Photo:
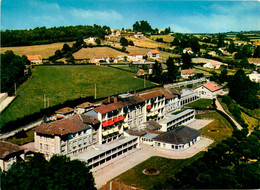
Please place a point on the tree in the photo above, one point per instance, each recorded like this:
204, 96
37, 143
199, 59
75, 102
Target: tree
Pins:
186, 60
142, 26
257, 52
173, 70
131, 43
195, 46
123, 41
167, 30
98, 41
58, 173
66, 48
220, 41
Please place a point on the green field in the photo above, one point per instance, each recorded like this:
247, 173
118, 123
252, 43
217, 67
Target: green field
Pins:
167, 168
61, 83
201, 103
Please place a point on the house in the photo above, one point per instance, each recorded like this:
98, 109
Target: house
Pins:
35, 59
67, 136
187, 50
213, 64
179, 138
255, 77
186, 73
64, 112
138, 35
102, 58
209, 90
9, 153
171, 100
135, 56
82, 108
91, 40
212, 53
255, 61
154, 54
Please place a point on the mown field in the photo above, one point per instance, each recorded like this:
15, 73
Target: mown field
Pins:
44, 50
88, 53
167, 168
147, 43
61, 83
166, 38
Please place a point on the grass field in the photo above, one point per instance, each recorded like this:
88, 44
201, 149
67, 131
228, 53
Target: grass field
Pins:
61, 83
21, 141
167, 168
147, 43
88, 53
44, 50
223, 127
201, 103
166, 38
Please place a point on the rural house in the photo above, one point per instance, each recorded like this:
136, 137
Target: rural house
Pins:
154, 54
135, 56
186, 73
213, 64
209, 90
35, 59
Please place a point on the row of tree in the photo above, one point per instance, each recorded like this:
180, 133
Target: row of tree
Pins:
38, 173
13, 71
232, 164
144, 27
43, 35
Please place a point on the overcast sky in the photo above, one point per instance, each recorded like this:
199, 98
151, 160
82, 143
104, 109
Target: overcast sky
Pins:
182, 16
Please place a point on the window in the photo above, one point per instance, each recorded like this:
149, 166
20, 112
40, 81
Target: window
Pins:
172, 146
40, 146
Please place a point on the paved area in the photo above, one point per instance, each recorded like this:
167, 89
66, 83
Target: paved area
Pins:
198, 123
111, 169
6, 102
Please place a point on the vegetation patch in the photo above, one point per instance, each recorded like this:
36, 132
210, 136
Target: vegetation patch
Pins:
22, 137
151, 171
61, 83
201, 103
167, 168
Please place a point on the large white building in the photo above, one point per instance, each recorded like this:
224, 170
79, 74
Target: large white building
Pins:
209, 90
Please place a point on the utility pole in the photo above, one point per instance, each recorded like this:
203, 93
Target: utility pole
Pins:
95, 91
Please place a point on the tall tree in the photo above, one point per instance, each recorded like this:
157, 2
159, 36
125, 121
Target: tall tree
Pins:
186, 60
123, 41
58, 173
257, 52
173, 70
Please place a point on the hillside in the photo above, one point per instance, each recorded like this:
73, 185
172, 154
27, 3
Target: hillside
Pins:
61, 83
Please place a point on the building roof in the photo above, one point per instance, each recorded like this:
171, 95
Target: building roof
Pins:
168, 95
152, 125
85, 105
135, 53
34, 57
215, 63
212, 86
65, 110
188, 71
180, 135
173, 91
110, 107
67, 126
150, 95
140, 132
132, 100
7, 148
155, 51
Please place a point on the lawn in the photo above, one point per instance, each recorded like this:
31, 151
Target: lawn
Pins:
201, 103
222, 127
29, 137
44, 50
88, 53
167, 168
61, 83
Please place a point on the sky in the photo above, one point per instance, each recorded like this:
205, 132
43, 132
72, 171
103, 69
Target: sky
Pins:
182, 16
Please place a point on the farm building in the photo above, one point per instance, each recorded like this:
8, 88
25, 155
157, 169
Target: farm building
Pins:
186, 73
154, 54
213, 64
35, 59
135, 56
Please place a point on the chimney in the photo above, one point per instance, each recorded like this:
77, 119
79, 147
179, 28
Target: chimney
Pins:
115, 99
108, 99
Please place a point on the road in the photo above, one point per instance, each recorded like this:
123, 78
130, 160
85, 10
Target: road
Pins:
219, 107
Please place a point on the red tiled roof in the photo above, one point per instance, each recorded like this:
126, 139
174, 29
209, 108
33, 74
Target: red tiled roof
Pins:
64, 110
212, 86
7, 148
66, 126
168, 95
85, 105
110, 107
150, 95
135, 53
154, 51
214, 63
188, 71
34, 57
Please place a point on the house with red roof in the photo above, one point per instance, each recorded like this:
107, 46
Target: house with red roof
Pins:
154, 54
209, 90
135, 56
35, 59
9, 154
66, 136
213, 64
186, 73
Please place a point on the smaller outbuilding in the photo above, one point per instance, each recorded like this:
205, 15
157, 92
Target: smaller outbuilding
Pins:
209, 90
35, 59
154, 54
180, 138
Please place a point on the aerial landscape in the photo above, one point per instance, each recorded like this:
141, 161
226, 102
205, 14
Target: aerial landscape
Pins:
131, 94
